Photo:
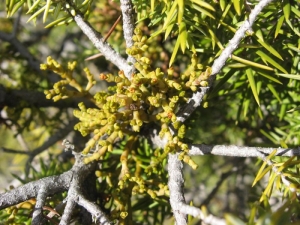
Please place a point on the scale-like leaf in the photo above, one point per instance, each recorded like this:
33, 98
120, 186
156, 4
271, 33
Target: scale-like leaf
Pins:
182, 36
237, 6
278, 25
269, 77
286, 9
47, 8
175, 50
222, 4
32, 8
252, 84
180, 11
250, 63
17, 6
269, 48
274, 92
270, 60
57, 10
204, 4
203, 11
57, 22
36, 13
171, 14
290, 76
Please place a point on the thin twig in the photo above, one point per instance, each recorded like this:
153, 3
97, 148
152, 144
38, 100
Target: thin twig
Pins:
112, 28
98, 41
128, 25
59, 135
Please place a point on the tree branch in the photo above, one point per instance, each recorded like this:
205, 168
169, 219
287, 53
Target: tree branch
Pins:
93, 209
128, 25
177, 201
175, 185
13, 98
235, 41
196, 212
71, 180
75, 196
239, 151
98, 41
37, 216
30, 190
193, 103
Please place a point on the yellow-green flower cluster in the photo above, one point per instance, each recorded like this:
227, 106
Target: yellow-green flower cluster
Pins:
151, 95
61, 89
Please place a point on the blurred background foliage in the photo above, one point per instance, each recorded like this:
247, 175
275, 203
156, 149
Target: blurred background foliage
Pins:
254, 101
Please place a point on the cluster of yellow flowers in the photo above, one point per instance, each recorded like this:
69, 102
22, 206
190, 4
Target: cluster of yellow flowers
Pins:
149, 96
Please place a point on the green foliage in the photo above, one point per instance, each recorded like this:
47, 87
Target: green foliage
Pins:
284, 175
150, 97
57, 9
255, 94
205, 28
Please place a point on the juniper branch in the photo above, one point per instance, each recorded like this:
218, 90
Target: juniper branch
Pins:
75, 196
71, 180
219, 63
30, 190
